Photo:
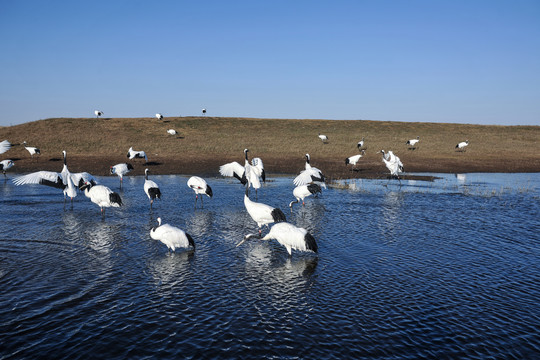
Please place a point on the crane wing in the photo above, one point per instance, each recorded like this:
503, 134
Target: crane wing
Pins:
233, 169
48, 178
4, 146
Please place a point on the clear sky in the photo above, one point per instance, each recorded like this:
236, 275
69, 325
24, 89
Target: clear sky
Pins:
470, 61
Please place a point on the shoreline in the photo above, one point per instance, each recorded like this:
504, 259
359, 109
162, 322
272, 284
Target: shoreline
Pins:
333, 170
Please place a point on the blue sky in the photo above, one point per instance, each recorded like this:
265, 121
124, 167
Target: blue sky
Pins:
430, 61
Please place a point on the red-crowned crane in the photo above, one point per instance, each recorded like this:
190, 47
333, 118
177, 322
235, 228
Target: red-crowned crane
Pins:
288, 235
102, 196
121, 170
151, 188
309, 175
6, 164
31, 149
303, 191
248, 174
393, 163
65, 180
98, 113
462, 145
412, 143
199, 186
133, 154
159, 116
261, 213
353, 160
360, 144
323, 138
171, 236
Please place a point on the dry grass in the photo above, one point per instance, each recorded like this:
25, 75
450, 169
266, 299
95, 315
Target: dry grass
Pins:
205, 142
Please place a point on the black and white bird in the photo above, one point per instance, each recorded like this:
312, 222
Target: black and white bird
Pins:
204, 111
172, 132
248, 174
353, 160
393, 163
6, 164
151, 188
31, 149
303, 191
121, 170
102, 196
323, 138
360, 144
199, 186
65, 180
261, 213
98, 113
171, 236
4, 146
412, 143
288, 235
462, 145
159, 116
310, 175
133, 154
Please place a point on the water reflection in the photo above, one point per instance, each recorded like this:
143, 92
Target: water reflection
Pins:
461, 178
391, 215
199, 223
172, 268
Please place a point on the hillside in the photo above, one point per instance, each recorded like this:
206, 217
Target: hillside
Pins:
205, 143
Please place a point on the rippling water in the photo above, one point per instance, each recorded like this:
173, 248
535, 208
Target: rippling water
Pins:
448, 269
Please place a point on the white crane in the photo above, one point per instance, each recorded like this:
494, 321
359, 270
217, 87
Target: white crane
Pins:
4, 146
121, 170
303, 191
6, 164
199, 186
353, 160
462, 145
98, 113
323, 138
151, 188
133, 154
288, 235
393, 163
65, 180
172, 132
309, 175
31, 149
261, 213
159, 116
102, 196
412, 143
247, 174
171, 236
360, 144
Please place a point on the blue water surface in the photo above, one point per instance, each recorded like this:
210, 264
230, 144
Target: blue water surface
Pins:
444, 269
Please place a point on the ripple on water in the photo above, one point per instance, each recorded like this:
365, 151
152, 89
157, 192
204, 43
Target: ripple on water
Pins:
446, 270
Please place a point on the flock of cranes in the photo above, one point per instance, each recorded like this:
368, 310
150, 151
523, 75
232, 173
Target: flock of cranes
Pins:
309, 181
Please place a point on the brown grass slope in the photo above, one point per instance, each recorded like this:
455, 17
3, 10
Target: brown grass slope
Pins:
205, 143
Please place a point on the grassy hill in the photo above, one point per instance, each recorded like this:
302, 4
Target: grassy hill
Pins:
204, 143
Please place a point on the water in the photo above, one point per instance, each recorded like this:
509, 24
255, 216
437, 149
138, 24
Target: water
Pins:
444, 269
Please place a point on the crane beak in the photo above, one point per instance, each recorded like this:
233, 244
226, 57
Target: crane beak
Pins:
241, 242
248, 236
